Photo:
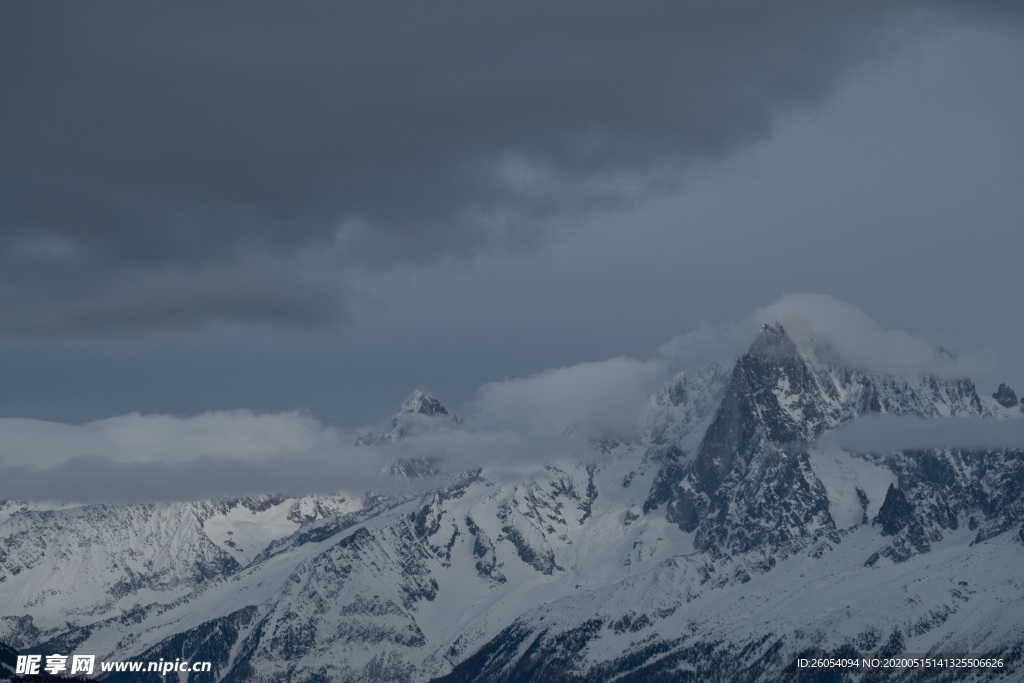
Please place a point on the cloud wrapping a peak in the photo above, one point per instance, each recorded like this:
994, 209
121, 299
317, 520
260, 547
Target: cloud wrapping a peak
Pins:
829, 331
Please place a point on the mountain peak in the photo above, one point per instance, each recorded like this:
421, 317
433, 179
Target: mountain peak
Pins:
421, 404
420, 413
773, 343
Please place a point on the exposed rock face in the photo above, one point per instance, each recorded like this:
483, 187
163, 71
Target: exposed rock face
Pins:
751, 485
1005, 396
897, 517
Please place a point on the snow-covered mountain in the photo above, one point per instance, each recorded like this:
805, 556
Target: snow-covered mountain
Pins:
720, 540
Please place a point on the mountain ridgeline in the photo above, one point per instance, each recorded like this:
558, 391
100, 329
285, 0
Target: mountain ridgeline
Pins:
718, 542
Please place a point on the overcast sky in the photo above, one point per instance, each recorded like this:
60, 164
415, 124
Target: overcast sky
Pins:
280, 207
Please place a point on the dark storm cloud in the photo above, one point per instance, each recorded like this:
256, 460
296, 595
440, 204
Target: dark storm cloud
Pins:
164, 166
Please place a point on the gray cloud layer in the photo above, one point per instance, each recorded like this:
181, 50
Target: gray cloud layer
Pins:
883, 433
217, 455
164, 166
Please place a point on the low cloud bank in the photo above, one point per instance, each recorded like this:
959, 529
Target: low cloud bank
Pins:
882, 433
140, 459
514, 427
231, 434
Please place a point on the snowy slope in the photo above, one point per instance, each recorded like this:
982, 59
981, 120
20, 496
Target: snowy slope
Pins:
719, 541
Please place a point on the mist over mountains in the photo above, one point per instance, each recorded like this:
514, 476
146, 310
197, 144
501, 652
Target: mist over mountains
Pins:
517, 423
782, 501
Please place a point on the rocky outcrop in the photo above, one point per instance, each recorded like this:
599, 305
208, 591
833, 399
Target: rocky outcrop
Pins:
1005, 397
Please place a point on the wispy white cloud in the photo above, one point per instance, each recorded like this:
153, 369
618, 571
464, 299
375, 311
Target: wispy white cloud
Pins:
830, 330
600, 399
